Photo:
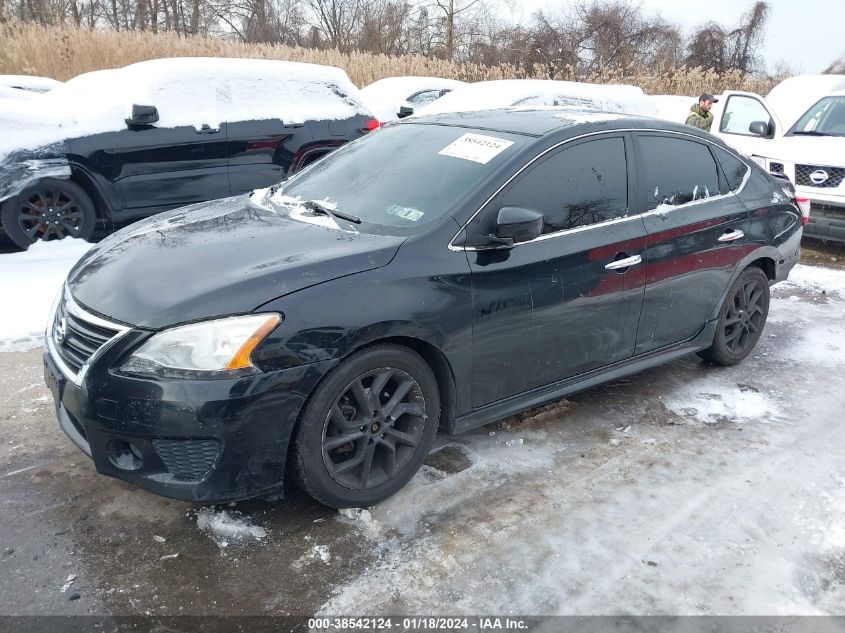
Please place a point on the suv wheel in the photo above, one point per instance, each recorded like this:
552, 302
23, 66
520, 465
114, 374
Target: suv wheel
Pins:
741, 319
367, 428
51, 209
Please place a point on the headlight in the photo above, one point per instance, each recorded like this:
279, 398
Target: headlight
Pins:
211, 349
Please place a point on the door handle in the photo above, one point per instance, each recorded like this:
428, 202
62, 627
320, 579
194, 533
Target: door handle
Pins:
207, 129
731, 235
627, 262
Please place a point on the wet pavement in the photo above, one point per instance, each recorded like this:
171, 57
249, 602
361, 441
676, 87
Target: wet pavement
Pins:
683, 489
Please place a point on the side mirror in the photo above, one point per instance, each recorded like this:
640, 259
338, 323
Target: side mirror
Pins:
516, 224
142, 116
760, 128
404, 111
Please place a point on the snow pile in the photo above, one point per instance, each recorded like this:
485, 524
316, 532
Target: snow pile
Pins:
672, 107
29, 282
385, 96
487, 95
224, 527
186, 91
827, 280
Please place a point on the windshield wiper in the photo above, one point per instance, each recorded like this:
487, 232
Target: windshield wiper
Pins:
315, 206
813, 133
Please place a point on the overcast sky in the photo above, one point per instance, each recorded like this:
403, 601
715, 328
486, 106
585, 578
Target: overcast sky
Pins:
807, 34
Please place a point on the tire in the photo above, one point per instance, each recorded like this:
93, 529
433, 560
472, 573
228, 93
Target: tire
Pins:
384, 447
50, 209
741, 319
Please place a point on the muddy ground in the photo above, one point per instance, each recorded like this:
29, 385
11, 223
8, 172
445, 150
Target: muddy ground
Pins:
686, 489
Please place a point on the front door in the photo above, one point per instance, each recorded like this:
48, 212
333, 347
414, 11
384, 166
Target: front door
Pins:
562, 304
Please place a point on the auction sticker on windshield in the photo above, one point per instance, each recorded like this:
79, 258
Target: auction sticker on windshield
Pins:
406, 213
476, 147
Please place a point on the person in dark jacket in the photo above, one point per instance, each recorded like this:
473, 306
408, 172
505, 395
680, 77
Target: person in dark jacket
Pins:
700, 115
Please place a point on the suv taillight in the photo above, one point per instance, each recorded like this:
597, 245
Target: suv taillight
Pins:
803, 205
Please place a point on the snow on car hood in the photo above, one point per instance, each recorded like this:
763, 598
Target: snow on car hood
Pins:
214, 259
809, 150
488, 95
186, 91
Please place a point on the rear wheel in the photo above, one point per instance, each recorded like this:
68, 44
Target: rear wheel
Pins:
51, 209
741, 319
368, 427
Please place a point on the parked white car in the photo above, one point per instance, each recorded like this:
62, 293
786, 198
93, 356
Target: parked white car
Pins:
505, 93
393, 98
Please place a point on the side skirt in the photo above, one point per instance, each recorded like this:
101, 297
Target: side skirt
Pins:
556, 391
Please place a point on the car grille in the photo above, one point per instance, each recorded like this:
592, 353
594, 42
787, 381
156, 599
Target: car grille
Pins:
834, 176
187, 460
776, 168
76, 335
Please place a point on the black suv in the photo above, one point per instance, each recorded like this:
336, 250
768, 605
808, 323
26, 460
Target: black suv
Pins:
334, 323
109, 147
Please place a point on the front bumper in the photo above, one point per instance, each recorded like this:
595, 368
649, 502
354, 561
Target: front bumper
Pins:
195, 440
827, 220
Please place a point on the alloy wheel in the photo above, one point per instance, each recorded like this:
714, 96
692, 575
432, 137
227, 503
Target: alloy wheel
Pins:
745, 317
373, 428
49, 213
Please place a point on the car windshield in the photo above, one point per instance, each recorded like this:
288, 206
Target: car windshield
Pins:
827, 118
401, 178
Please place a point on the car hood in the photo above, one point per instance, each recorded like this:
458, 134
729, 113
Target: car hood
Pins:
810, 150
214, 259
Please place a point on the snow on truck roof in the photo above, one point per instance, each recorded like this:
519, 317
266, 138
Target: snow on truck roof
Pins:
186, 91
543, 92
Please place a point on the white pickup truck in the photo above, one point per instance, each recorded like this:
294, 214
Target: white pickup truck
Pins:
797, 130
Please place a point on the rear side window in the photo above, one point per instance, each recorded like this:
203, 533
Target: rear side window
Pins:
580, 185
677, 171
734, 168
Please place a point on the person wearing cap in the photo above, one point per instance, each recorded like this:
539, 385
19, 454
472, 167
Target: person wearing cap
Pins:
700, 115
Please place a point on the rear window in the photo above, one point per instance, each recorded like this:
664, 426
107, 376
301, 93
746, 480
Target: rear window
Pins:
734, 168
404, 177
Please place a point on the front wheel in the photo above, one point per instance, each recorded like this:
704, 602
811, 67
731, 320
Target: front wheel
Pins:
50, 209
367, 428
741, 319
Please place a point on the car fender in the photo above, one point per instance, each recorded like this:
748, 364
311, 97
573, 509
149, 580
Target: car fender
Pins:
17, 174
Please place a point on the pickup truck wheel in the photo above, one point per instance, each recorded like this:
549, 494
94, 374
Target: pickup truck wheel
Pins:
50, 209
741, 319
367, 428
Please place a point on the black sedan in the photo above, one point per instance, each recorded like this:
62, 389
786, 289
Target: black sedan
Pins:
437, 275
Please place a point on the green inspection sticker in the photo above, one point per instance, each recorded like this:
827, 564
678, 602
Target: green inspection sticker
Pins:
406, 213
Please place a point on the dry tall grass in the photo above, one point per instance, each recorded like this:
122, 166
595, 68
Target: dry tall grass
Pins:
65, 52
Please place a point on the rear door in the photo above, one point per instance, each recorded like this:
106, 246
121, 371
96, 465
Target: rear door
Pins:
697, 234
562, 304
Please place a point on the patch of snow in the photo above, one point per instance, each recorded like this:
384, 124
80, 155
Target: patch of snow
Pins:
712, 400
30, 281
224, 526
28, 83
70, 579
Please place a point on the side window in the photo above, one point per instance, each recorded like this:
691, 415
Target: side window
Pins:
580, 185
740, 112
734, 168
677, 171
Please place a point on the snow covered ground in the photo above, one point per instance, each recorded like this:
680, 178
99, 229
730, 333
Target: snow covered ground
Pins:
29, 281
686, 489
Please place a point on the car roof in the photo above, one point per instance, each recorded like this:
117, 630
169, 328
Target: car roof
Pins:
542, 121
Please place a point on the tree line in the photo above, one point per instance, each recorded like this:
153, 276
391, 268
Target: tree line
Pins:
583, 38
